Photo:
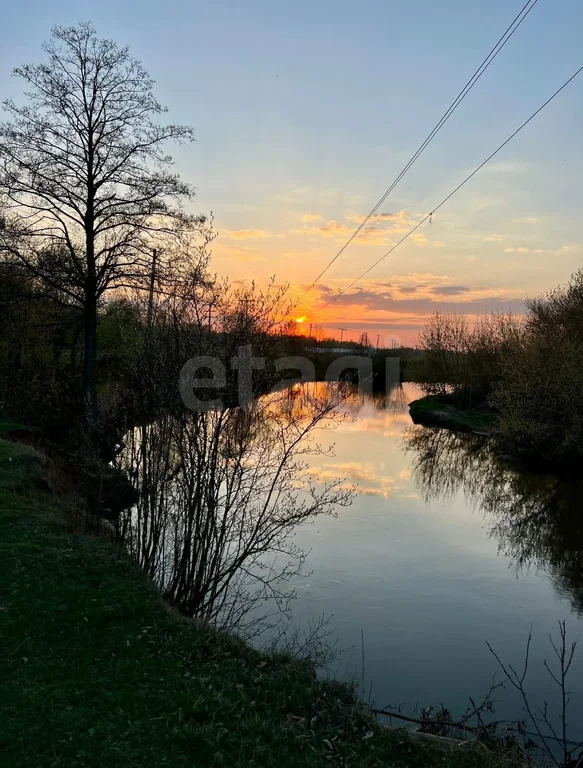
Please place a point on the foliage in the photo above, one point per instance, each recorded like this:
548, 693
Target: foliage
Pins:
539, 395
38, 355
85, 180
531, 372
466, 358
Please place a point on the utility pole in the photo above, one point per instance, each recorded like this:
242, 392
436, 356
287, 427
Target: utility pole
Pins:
310, 330
342, 333
378, 337
149, 334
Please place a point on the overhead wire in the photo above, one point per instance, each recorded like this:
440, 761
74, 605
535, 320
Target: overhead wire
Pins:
499, 45
451, 194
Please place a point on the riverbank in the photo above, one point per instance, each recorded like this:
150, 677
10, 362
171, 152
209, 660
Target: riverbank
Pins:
436, 411
97, 670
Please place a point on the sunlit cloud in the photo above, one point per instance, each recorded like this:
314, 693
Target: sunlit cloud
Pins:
405, 302
421, 239
365, 476
570, 248
247, 234
503, 167
453, 290
358, 218
395, 306
236, 254
378, 230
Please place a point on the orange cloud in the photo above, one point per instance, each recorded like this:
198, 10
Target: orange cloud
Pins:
363, 477
421, 239
378, 230
403, 304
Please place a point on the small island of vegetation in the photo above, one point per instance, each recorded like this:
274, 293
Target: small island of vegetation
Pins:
518, 379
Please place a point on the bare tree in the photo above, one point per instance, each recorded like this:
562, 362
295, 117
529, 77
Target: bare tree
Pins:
546, 735
466, 355
87, 186
221, 494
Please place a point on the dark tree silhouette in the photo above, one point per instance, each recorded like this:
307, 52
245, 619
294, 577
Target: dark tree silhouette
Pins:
86, 186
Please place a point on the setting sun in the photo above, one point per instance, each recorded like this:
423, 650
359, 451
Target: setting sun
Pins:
301, 319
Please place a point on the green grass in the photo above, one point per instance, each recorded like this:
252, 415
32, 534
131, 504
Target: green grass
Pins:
21, 467
7, 426
97, 671
433, 410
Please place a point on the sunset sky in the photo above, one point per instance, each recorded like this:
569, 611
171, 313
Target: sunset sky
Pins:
304, 113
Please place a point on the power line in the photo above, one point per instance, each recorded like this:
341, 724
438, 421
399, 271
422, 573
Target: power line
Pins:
459, 186
510, 30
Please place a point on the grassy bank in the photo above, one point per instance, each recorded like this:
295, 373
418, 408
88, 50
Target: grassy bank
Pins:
433, 410
96, 670
10, 428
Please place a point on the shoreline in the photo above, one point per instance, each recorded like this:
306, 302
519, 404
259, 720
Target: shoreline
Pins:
436, 411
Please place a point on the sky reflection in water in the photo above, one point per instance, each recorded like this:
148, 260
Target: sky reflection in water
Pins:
441, 550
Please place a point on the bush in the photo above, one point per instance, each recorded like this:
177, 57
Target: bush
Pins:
465, 358
539, 393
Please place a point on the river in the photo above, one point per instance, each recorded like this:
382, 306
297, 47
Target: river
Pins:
441, 550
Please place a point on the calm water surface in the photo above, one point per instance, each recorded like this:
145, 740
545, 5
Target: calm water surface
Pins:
441, 550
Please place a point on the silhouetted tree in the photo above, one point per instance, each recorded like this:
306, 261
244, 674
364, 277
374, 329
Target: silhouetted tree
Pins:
539, 396
86, 184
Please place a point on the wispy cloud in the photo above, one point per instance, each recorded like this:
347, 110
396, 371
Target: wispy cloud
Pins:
365, 476
359, 218
247, 234
309, 217
419, 298
528, 220
379, 229
503, 167
240, 254
453, 290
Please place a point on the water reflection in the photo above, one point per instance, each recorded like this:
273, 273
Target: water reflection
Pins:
423, 564
536, 519
384, 413
393, 400
221, 493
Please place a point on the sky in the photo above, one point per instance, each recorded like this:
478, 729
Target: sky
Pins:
305, 112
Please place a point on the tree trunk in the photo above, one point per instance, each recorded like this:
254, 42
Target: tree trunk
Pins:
90, 411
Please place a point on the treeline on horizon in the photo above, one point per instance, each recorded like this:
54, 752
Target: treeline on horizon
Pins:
528, 369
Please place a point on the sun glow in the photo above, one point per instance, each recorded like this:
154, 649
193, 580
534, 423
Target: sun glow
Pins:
301, 319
